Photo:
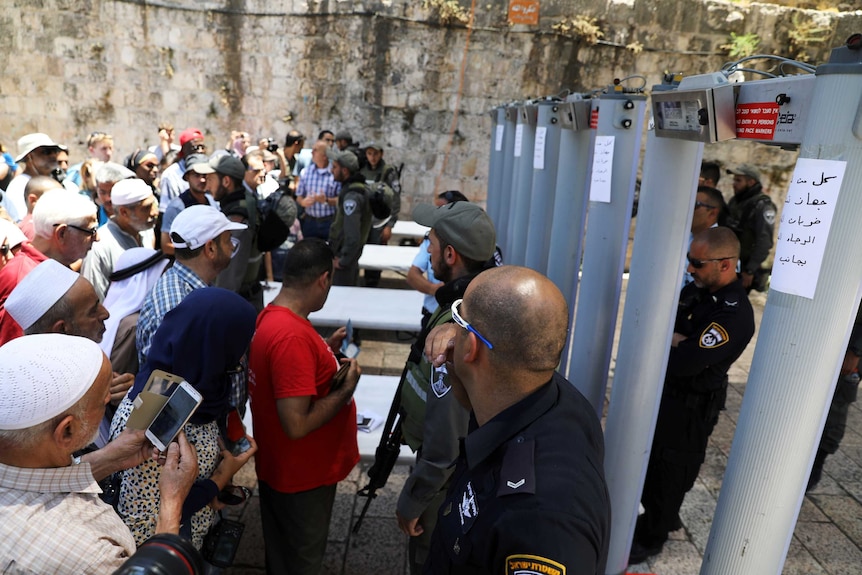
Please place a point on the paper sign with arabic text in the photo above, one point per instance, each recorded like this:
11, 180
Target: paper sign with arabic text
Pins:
524, 12
603, 167
805, 222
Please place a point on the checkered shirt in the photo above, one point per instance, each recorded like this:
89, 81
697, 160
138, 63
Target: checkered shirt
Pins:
312, 181
52, 521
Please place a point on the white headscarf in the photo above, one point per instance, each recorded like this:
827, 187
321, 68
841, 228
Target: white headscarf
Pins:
126, 296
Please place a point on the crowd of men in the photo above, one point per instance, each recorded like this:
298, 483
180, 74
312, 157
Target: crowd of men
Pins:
502, 441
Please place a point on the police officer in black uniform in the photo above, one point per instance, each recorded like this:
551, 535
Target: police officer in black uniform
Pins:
714, 323
528, 494
751, 215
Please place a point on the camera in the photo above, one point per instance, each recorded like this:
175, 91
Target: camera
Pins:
58, 174
271, 145
164, 554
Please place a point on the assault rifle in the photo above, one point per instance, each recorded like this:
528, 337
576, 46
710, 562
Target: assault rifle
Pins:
386, 454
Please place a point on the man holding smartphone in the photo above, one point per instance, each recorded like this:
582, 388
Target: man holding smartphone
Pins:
300, 412
70, 379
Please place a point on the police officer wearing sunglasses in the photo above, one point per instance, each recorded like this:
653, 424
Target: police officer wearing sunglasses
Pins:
714, 324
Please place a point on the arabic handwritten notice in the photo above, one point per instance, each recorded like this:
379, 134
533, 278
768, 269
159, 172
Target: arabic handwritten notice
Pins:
539, 149
519, 139
603, 165
805, 222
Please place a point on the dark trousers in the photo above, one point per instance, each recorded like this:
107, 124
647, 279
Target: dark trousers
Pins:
295, 528
315, 227
679, 447
836, 422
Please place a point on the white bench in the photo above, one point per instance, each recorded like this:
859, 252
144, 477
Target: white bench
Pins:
370, 308
392, 258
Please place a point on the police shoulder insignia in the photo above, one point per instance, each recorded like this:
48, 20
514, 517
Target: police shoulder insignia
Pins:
438, 381
769, 216
533, 565
713, 336
349, 207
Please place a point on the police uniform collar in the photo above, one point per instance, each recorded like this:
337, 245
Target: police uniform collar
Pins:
482, 441
754, 190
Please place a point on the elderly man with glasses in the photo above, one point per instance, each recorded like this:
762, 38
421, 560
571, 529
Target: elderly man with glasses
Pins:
710, 211
714, 324
65, 226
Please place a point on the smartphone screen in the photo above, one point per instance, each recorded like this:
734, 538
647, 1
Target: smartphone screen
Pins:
175, 413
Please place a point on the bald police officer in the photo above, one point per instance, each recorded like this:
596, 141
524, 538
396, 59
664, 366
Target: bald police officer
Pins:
528, 494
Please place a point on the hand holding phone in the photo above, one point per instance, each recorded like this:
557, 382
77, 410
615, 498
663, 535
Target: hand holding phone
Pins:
173, 416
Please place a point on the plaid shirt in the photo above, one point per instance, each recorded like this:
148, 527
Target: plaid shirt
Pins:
314, 180
52, 521
176, 283
169, 291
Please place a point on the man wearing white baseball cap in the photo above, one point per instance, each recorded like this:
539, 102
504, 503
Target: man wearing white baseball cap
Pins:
203, 247
131, 226
53, 390
39, 154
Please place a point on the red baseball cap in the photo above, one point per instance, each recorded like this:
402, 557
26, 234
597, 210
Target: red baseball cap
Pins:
190, 134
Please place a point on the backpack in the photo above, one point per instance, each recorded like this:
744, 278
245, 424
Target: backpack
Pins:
277, 214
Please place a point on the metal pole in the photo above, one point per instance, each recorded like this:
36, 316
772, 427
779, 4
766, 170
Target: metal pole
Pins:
522, 183
620, 117
670, 175
546, 151
494, 195
800, 347
507, 162
570, 203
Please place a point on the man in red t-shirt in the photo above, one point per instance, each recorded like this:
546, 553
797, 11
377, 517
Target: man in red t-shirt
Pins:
305, 423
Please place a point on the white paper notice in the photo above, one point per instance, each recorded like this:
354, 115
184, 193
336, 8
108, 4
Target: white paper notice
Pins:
603, 165
519, 139
805, 222
498, 139
539, 150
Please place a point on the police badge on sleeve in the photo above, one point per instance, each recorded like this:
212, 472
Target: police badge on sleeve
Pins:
438, 381
349, 207
533, 565
713, 336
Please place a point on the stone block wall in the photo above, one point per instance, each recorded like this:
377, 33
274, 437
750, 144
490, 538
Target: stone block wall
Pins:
387, 70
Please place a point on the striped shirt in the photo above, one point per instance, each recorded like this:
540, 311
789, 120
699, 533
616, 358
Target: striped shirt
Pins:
52, 521
313, 181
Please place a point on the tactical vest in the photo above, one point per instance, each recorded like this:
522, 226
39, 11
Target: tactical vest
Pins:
248, 205
417, 386
741, 220
336, 231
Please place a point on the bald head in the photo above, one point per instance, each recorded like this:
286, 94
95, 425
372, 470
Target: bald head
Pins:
720, 242
522, 313
36, 186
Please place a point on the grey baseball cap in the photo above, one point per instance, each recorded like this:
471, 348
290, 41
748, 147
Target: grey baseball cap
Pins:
464, 226
227, 165
746, 170
345, 159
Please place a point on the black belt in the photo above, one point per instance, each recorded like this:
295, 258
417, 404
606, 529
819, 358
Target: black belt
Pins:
323, 219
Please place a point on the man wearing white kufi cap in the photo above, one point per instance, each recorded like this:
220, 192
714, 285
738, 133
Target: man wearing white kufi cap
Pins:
53, 389
131, 226
54, 299
65, 226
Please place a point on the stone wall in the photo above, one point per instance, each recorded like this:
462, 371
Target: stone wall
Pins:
387, 70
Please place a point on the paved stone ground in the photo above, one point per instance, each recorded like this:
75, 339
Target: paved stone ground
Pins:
827, 539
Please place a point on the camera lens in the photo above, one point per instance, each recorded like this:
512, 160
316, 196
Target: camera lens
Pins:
164, 554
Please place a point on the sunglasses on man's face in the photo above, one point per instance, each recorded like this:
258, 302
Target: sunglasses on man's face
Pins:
697, 264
